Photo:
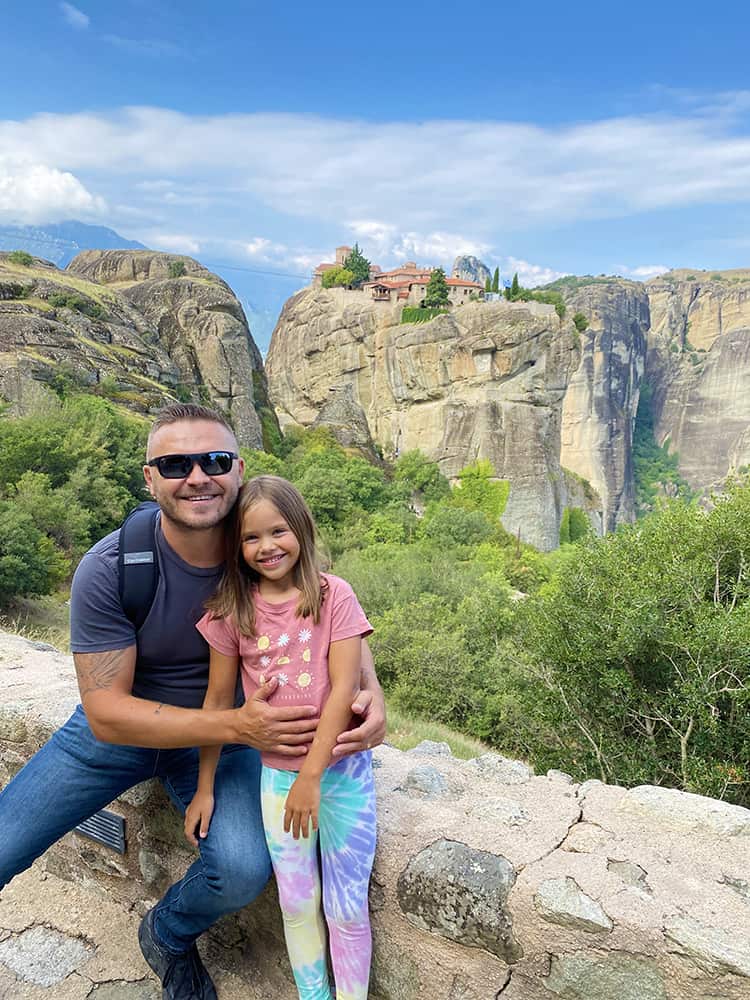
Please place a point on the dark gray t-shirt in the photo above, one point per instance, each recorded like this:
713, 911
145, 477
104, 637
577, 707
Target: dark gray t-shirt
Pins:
172, 664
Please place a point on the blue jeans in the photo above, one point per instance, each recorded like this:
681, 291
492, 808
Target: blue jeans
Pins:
74, 775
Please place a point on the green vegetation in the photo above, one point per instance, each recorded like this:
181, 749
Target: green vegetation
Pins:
580, 321
338, 277
420, 314
436, 294
574, 525
655, 470
358, 265
68, 300
548, 295
20, 257
177, 269
496, 280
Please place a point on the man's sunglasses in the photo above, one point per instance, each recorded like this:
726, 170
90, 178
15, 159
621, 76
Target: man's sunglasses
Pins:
212, 463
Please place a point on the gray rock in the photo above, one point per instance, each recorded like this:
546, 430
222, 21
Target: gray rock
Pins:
711, 948
586, 787
503, 769
470, 268
684, 811
554, 775
500, 810
614, 977
461, 893
430, 748
740, 885
629, 872
562, 901
151, 868
426, 782
43, 956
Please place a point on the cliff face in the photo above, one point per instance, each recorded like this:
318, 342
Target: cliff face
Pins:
488, 380
116, 322
699, 366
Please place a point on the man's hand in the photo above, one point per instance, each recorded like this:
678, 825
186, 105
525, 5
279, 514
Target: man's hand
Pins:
370, 705
302, 806
198, 816
285, 731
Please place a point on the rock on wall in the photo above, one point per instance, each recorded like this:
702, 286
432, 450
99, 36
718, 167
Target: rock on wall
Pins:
495, 380
490, 883
699, 366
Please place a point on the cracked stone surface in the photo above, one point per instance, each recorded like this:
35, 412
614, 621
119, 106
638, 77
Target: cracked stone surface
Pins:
44, 956
710, 948
562, 901
614, 977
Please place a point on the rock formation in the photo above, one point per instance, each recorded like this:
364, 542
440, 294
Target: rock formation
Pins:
699, 368
470, 268
117, 323
489, 881
510, 382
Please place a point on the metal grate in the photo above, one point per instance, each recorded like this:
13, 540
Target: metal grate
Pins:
106, 828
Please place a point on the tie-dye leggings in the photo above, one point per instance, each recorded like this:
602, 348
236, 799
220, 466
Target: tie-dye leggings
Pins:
346, 830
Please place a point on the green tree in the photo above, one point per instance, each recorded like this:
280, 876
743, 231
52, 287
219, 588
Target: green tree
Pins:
420, 475
176, 268
338, 277
437, 289
478, 489
488, 284
496, 280
515, 288
359, 265
20, 257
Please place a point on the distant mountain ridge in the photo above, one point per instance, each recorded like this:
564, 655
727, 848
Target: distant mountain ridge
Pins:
60, 242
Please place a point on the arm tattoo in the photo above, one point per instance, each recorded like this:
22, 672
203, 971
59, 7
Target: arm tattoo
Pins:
97, 671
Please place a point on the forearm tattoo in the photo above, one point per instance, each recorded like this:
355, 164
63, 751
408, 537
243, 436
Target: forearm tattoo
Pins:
97, 671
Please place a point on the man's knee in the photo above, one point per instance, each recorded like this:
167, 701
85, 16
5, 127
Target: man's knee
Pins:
238, 881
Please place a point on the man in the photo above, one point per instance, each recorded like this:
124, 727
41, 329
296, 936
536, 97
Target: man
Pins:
141, 717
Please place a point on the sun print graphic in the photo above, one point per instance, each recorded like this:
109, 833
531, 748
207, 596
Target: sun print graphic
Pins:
304, 680
304, 635
283, 678
283, 659
263, 642
284, 639
306, 655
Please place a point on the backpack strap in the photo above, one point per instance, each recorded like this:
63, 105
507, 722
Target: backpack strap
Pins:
137, 565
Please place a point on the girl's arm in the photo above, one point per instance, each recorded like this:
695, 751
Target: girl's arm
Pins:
303, 801
220, 694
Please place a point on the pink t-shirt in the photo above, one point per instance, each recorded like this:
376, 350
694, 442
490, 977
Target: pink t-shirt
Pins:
293, 649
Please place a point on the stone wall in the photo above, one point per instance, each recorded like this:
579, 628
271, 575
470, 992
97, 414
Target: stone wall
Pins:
489, 881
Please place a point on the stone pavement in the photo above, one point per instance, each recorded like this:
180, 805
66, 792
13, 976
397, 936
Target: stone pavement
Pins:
65, 941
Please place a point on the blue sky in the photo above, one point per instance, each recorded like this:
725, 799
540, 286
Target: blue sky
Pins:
578, 138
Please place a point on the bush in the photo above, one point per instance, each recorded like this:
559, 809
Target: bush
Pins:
337, 277
580, 321
420, 314
20, 257
81, 304
177, 269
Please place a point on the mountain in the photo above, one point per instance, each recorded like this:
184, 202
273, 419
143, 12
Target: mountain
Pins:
59, 242
138, 327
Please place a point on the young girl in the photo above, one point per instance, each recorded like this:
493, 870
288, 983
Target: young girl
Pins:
276, 615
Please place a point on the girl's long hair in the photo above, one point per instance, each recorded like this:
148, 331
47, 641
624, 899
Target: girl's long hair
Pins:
235, 593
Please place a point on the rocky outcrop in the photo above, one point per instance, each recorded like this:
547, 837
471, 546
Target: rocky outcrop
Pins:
508, 382
116, 323
470, 268
699, 368
601, 397
489, 881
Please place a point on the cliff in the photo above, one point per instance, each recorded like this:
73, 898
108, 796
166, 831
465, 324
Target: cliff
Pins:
115, 322
549, 406
489, 881
699, 366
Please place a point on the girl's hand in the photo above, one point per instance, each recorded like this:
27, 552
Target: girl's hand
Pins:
198, 816
302, 806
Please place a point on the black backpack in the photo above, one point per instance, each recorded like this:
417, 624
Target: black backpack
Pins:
137, 564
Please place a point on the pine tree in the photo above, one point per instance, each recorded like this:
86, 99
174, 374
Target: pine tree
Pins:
496, 280
359, 265
488, 284
437, 289
515, 288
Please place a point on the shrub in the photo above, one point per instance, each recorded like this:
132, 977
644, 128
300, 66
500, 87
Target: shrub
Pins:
420, 314
20, 257
81, 304
177, 269
581, 322
338, 277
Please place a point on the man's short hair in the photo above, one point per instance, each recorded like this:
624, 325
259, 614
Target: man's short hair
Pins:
176, 412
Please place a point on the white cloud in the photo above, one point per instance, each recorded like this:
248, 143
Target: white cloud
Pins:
427, 190
33, 192
75, 17
175, 243
642, 272
529, 275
